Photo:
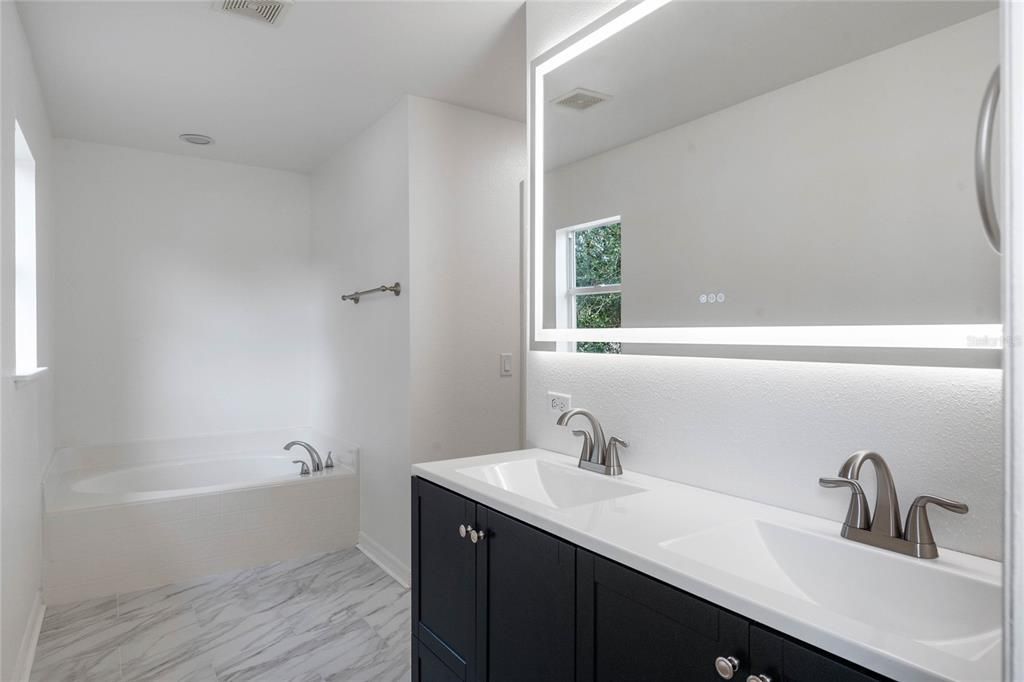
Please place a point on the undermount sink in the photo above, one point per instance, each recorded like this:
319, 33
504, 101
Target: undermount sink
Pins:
554, 485
938, 605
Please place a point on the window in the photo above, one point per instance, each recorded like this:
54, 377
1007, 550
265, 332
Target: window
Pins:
590, 280
25, 347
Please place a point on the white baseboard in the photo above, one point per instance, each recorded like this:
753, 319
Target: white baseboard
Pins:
383, 558
27, 650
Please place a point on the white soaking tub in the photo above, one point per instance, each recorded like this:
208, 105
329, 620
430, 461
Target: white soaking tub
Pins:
125, 518
161, 480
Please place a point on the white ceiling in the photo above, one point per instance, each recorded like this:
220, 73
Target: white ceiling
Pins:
140, 73
690, 59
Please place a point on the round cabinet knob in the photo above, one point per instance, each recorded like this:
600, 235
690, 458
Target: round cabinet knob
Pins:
759, 678
726, 666
463, 530
476, 536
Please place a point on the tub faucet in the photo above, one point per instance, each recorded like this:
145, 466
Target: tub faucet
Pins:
598, 454
314, 456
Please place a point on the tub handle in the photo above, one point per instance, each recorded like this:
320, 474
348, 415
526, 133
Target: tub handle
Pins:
304, 471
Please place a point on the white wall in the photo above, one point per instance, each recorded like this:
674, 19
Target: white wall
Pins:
25, 409
429, 196
767, 430
181, 306
360, 388
465, 169
855, 170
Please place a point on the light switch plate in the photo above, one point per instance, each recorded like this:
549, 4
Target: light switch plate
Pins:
505, 364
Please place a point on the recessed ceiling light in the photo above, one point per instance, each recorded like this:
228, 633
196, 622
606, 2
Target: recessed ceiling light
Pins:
195, 138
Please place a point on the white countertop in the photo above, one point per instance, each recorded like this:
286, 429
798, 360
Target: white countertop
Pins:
637, 530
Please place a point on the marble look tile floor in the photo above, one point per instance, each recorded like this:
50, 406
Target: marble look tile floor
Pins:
328, 618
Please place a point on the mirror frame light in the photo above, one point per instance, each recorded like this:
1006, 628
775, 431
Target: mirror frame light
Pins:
958, 337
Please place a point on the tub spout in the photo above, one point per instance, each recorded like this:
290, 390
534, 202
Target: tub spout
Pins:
314, 456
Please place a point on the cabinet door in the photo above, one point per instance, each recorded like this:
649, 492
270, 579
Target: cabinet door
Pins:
781, 659
426, 667
527, 584
444, 577
633, 628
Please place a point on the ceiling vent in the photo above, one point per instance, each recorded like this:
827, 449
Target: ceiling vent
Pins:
581, 99
267, 11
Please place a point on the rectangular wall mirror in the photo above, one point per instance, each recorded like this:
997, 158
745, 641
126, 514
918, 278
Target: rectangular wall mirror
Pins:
765, 174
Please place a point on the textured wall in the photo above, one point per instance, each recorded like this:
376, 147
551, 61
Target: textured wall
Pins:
767, 430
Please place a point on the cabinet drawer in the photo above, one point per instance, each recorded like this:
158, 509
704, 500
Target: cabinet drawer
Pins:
781, 658
685, 610
633, 628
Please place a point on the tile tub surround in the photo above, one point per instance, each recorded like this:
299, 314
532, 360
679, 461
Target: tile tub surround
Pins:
101, 551
334, 616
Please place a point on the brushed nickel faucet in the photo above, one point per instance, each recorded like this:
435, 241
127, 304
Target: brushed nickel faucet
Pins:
883, 528
598, 454
314, 456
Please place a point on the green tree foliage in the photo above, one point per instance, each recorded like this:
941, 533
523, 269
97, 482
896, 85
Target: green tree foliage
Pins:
599, 256
599, 261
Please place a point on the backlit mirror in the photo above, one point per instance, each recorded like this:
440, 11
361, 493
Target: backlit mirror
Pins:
787, 173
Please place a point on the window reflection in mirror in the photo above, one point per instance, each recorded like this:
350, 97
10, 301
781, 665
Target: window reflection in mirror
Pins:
589, 279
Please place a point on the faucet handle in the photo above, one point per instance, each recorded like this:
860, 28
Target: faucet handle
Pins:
329, 462
304, 471
840, 482
612, 463
588, 444
857, 515
919, 529
945, 503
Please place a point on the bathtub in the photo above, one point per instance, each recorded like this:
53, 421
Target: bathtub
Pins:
124, 518
176, 478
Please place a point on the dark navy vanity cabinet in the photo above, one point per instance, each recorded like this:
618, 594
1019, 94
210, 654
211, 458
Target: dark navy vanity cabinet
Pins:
498, 600
501, 608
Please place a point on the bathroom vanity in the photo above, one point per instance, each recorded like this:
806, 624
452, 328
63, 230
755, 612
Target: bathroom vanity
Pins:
528, 568
779, 201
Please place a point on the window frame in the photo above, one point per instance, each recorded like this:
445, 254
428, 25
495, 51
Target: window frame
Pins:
565, 275
26, 262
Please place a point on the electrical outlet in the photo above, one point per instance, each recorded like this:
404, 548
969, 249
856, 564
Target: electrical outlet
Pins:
559, 402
